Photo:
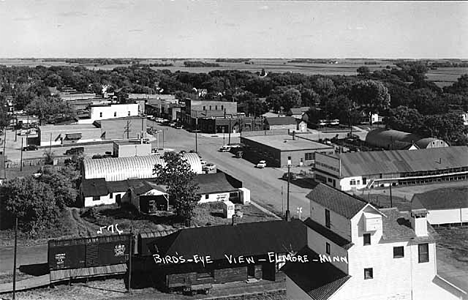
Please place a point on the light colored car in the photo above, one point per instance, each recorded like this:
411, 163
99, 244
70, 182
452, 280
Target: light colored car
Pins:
225, 148
261, 164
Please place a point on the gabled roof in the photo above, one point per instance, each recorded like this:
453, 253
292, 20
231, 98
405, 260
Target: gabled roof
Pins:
319, 280
335, 200
253, 239
281, 121
446, 198
327, 233
94, 187
213, 183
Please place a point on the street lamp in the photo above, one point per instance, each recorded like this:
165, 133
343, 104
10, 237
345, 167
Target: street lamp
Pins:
288, 213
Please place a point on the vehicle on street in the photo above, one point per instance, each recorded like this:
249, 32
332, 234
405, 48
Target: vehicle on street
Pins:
179, 126
73, 151
203, 163
209, 167
261, 164
225, 148
30, 148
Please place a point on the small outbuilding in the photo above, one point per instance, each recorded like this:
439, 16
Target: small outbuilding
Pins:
431, 143
445, 206
289, 123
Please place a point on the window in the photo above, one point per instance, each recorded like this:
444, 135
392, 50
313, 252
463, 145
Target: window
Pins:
100, 115
352, 182
309, 156
327, 248
216, 107
423, 253
364, 180
222, 107
327, 218
329, 180
111, 195
129, 113
368, 273
398, 252
96, 198
367, 239
204, 107
206, 196
115, 114
210, 107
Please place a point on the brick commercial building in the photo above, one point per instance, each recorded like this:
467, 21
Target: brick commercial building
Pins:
276, 149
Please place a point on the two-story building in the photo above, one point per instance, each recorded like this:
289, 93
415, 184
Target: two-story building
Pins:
110, 111
366, 253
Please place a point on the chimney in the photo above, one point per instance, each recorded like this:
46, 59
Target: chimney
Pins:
419, 222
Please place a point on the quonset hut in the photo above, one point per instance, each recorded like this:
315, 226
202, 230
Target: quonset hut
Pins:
391, 139
138, 167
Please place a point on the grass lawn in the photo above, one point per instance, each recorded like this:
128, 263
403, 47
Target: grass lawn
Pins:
454, 239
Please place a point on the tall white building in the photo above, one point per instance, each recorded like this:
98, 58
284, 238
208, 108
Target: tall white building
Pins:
110, 111
366, 253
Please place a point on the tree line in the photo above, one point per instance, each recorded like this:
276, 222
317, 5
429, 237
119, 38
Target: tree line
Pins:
387, 91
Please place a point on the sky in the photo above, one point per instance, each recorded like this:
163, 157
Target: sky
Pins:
233, 28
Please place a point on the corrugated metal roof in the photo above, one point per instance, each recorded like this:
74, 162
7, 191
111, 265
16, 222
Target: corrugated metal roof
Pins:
123, 168
401, 161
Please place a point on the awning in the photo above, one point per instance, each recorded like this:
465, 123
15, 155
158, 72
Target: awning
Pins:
73, 136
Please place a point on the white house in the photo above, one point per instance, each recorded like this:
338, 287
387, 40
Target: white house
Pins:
444, 206
219, 186
366, 253
110, 111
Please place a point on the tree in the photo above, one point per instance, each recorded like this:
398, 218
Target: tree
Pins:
5, 117
371, 95
448, 127
256, 107
178, 177
62, 182
50, 109
363, 71
405, 119
290, 98
33, 202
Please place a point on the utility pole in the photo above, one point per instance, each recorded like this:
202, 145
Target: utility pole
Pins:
127, 129
14, 257
21, 159
4, 154
196, 134
163, 137
288, 213
130, 251
391, 198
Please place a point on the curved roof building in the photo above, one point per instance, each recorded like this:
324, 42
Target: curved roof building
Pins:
431, 143
391, 139
123, 168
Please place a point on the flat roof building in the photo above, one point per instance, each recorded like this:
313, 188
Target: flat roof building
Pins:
276, 149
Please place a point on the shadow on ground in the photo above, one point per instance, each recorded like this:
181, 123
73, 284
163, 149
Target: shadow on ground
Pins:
35, 269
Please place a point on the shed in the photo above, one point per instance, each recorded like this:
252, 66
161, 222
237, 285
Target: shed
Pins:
444, 206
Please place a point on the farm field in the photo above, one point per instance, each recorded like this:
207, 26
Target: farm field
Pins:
347, 67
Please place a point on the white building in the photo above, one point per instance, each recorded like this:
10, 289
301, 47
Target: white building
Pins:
444, 206
110, 111
373, 254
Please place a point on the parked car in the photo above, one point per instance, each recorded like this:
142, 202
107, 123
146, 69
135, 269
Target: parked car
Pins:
225, 148
179, 126
261, 164
73, 151
209, 167
30, 148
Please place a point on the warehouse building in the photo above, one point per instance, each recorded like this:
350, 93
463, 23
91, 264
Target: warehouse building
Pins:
359, 170
123, 168
400, 140
276, 149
